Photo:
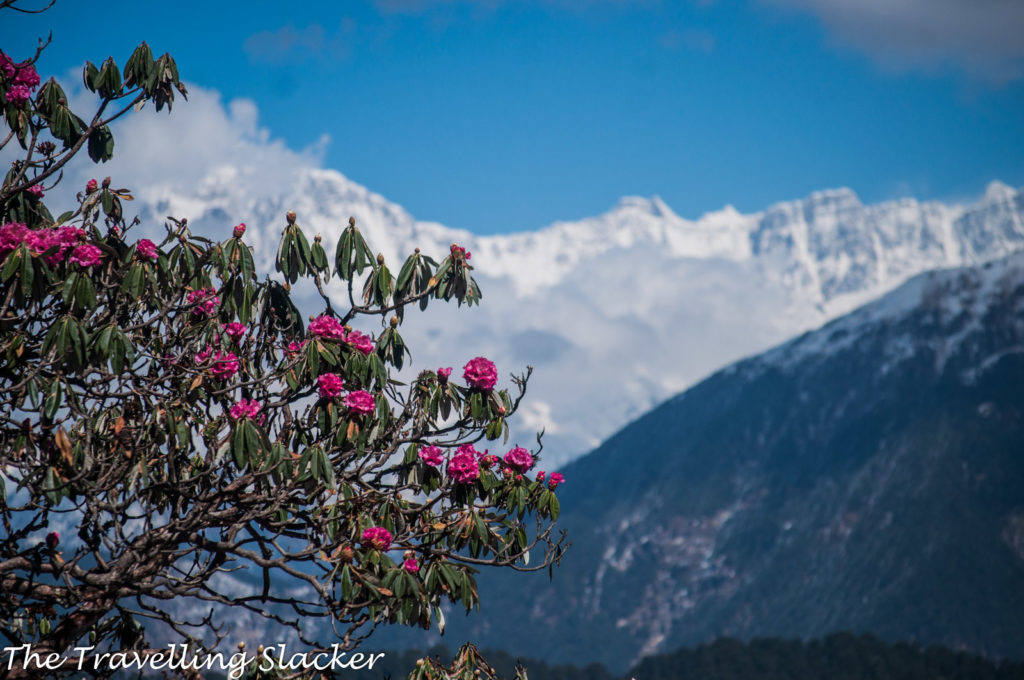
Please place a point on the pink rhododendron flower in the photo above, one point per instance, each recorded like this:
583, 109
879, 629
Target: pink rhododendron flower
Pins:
294, 348
27, 76
488, 461
40, 241
519, 459
35, 190
555, 479
205, 301
18, 95
238, 230
91, 186
361, 342
235, 330
246, 408
540, 476
480, 373
360, 401
6, 66
431, 455
378, 538
410, 565
330, 385
12, 235
443, 373
86, 255
326, 327
458, 251
146, 248
225, 365
69, 235
52, 539
464, 467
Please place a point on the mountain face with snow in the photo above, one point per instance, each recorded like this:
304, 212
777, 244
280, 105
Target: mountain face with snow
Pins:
619, 311
867, 476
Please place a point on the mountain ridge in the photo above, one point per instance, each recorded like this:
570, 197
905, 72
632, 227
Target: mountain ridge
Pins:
631, 290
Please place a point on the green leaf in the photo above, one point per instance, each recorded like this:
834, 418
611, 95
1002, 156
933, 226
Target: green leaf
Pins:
89, 76
101, 145
109, 81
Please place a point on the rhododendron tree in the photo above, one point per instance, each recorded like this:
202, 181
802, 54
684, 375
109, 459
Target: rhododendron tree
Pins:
172, 404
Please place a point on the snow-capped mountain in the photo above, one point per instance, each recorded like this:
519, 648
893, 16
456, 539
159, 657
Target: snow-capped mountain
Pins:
617, 312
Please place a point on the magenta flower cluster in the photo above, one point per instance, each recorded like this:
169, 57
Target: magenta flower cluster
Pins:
223, 365
377, 538
458, 251
205, 301
443, 374
360, 401
464, 467
431, 455
24, 79
146, 249
57, 242
330, 385
235, 330
410, 565
328, 327
246, 408
554, 480
86, 255
519, 459
480, 373
360, 342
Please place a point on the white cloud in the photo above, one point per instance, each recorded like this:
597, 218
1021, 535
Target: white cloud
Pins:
981, 36
157, 154
285, 43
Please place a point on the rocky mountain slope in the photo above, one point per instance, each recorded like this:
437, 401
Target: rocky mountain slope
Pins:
866, 476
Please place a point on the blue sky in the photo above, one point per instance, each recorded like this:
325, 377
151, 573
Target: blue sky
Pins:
504, 115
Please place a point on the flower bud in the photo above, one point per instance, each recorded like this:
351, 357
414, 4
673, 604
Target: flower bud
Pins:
239, 230
394, 321
290, 216
380, 258
91, 186
317, 238
106, 182
346, 554
351, 221
52, 539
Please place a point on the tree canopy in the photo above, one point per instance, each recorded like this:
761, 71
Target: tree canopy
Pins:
172, 403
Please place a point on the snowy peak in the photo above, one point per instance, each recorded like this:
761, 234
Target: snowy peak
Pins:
997, 191
952, 304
